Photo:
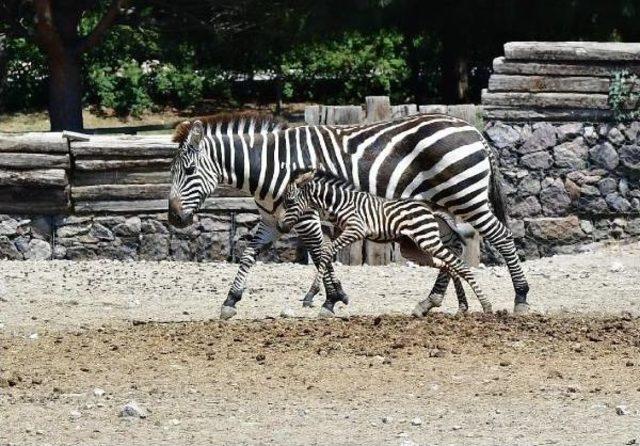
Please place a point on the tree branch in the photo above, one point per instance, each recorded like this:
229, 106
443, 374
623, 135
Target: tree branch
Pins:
48, 36
101, 29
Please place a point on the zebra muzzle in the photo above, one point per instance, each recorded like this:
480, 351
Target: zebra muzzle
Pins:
177, 216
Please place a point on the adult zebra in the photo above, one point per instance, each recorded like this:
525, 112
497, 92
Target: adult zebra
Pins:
436, 158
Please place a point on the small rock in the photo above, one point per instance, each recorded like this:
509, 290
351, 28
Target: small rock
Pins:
622, 410
505, 363
38, 250
554, 374
387, 420
132, 410
417, 421
616, 267
75, 414
98, 392
287, 312
456, 427
33, 336
260, 358
604, 155
616, 136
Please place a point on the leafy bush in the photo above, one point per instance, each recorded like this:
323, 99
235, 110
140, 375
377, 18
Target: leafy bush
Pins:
624, 96
180, 87
25, 83
362, 64
134, 87
123, 89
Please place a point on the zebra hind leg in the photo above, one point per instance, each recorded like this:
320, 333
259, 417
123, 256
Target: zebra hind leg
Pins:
443, 258
436, 296
463, 305
501, 238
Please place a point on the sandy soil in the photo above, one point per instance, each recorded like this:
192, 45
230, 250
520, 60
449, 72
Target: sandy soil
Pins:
148, 332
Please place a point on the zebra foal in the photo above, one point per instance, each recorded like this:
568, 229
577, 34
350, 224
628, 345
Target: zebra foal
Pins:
361, 215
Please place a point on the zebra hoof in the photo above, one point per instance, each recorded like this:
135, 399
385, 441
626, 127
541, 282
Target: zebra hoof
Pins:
521, 308
227, 312
325, 313
462, 311
342, 296
421, 309
487, 309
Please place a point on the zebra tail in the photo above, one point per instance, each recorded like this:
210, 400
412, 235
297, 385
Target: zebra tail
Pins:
496, 195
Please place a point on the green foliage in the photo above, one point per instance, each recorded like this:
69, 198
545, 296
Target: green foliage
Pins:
134, 87
362, 64
26, 76
123, 89
171, 85
624, 96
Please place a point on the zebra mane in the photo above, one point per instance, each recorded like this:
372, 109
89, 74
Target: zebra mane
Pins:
241, 123
327, 177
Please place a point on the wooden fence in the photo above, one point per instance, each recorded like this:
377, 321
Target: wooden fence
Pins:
556, 81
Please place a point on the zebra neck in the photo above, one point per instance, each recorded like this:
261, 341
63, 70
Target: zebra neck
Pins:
261, 164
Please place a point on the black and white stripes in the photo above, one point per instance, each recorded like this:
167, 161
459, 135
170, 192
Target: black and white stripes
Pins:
434, 158
361, 215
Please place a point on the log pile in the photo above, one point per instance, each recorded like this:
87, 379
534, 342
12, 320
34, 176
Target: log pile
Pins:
556, 81
131, 174
34, 171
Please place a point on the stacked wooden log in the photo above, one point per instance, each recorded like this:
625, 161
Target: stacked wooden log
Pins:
131, 174
34, 174
556, 81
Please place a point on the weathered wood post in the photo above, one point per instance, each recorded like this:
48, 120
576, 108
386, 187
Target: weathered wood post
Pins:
339, 114
378, 109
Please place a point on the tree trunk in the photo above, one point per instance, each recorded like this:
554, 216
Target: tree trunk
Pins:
65, 92
455, 76
3, 68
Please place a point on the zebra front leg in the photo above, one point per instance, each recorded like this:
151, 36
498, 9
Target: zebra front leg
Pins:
349, 235
309, 229
265, 234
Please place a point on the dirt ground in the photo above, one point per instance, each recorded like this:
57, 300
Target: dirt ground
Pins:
148, 332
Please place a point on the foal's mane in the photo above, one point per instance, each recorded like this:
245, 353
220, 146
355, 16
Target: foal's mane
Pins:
239, 121
327, 177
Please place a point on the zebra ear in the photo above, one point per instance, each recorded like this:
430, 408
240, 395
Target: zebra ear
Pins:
196, 134
302, 177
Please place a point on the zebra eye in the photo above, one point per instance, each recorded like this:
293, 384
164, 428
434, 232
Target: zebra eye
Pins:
190, 170
288, 202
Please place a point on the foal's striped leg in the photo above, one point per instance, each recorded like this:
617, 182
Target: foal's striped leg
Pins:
349, 235
309, 230
429, 241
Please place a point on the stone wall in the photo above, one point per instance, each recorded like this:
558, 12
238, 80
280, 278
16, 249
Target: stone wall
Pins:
215, 236
569, 184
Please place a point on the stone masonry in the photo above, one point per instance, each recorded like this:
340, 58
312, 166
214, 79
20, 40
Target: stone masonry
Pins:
215, 237
569, 184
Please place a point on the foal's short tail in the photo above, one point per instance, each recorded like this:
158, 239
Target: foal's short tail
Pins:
496, 196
